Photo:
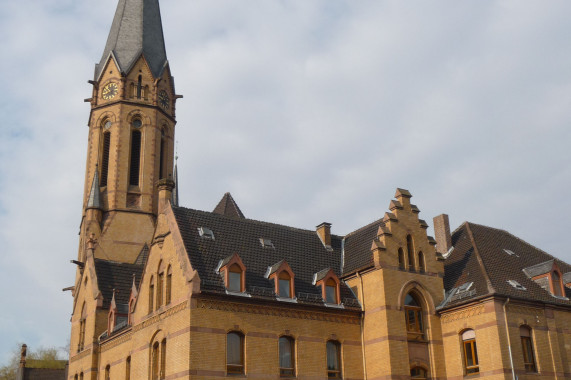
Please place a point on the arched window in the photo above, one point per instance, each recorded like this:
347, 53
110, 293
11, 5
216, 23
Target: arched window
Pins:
151, 294
527, 348
135, 161
413, 315
107, 372
82, 322
81, 376
75, 377
333, 360
160, 284
284, 288
168, 292
418, 373
235, 278
163, 358
162, 156
402, 264
139, 86
287, 356
421, 264
105, 149
155, 357
470, 352
331, 291
234, 353
128, 368
556, 279
410, 250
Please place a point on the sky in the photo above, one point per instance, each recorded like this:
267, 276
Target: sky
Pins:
307, 111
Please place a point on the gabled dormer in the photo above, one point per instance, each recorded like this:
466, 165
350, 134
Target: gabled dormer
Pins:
548, 276
233, 272
283, 277
329, 283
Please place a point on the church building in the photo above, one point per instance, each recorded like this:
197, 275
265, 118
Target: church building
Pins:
168, 292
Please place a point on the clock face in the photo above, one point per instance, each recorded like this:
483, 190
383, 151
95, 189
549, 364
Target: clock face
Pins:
110, 90
164, 100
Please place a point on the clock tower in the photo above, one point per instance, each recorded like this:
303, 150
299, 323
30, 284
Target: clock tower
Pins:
131, 135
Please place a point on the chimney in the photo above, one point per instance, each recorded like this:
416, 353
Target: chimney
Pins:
23, 354
324, 233
442, 233
166, 187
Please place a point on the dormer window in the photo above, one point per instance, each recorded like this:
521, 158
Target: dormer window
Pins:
329, 283
233, 272
283, 278
206, 233
556, 284
548, 276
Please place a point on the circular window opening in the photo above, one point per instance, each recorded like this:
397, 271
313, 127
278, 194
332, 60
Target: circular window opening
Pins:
137, 123
107, 125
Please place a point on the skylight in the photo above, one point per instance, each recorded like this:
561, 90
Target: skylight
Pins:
510, 252
266, 243
516, 285
206, 233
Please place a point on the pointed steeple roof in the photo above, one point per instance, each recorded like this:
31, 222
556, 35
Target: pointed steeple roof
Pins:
228, 207
94, 200
137, 29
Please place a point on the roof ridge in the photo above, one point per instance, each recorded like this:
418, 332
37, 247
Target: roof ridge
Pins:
480, 260
364, 227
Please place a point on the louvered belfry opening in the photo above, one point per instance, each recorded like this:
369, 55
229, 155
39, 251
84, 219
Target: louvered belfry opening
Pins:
105, 158
162, 159
135, 158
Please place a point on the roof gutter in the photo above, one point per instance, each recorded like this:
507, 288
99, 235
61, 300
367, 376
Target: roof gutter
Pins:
509, 341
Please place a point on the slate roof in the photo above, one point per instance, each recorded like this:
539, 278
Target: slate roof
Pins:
358, 253
137, 29
44, 374
480, 256
119, 276
227, 206
302, 249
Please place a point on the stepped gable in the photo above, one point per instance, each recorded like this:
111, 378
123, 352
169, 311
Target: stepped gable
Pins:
302, 249
358, 253
503, 257
228, 207
119, 276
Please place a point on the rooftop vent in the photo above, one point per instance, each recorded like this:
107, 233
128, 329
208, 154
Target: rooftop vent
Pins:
511, 253
206, 233
267, 243
516, 285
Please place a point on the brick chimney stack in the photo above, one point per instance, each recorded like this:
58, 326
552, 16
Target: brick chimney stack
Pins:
324, 232
442, 233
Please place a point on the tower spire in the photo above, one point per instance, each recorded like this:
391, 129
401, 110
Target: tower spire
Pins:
137, 29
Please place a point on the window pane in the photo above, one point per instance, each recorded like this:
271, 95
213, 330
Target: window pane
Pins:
330, 294
332, 356
286, 352
284, 288
234, 349
469, 354
235, 281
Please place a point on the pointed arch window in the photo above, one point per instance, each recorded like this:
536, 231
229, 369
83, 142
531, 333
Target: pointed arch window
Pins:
160, 284
470, 352
81, 376
527, 348
82, 322
402, 264
413, 317
418, 373
105, 151
139, 86
151, 294
410, 251
135, 160
235, 353
155, 357
333, 349
287, 356
162, 156
128, 368
163, 358
421, 263
108, 372
168, 286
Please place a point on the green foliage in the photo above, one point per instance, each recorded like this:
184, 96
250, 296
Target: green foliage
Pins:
43, 357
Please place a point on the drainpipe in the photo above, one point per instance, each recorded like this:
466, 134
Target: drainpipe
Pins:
509, 341
363, 326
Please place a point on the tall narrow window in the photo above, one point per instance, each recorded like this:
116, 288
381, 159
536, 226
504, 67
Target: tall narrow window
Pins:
82, 320
162, 160
163, 358
234, 353
155, 361
105, 157
413, 316
333, 360
151, 295
81, 376
135, 158
287, 356
470, 352
108, 372
331, 291
527, 347
284, 285
139, 86
402, 264
128, 368
168, 292
410, 251
421, 264
160, 284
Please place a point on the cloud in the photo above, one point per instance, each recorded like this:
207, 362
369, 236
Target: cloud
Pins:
307, 111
